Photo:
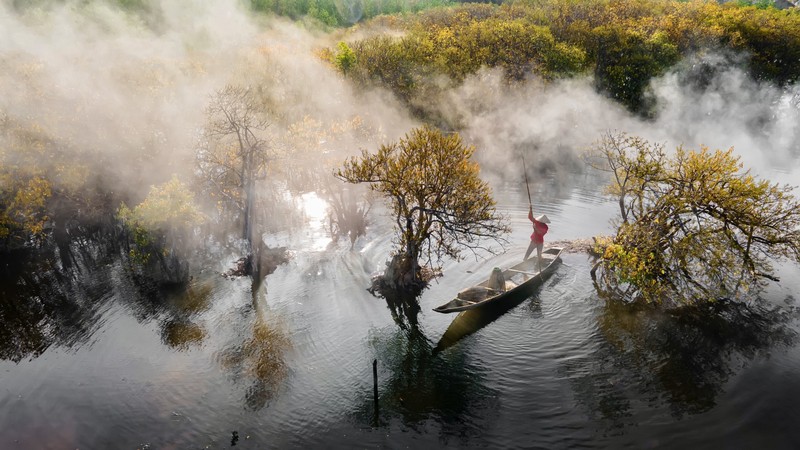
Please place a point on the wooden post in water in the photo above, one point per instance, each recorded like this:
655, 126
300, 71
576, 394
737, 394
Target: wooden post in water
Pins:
375, 388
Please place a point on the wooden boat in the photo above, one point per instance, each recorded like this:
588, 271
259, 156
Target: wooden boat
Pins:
516, 280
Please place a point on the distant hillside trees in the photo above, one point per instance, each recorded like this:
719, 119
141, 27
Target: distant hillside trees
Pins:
343, 13
622, 43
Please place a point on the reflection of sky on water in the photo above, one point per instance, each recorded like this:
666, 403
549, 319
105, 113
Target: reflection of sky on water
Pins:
316, 212
313, 234
576, 208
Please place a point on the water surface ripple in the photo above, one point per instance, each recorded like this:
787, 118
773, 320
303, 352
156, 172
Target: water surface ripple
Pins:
103, 363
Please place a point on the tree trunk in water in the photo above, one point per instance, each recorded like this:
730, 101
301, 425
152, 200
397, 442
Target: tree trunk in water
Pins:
410, 263
402, 273
249, 233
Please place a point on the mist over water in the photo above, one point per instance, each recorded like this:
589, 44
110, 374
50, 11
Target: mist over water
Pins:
709, 102
123, 85
133, 89
95, 79
703, 101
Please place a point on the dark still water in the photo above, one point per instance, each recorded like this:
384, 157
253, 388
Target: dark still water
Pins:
101, 362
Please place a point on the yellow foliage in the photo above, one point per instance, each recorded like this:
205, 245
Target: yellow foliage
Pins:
439, 201
694, 225
168, 211
167, 206
26, 209
624, 43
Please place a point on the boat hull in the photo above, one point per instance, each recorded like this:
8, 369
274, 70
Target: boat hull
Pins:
520, 279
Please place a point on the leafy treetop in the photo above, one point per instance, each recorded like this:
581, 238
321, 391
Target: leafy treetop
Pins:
693, 225
439, 202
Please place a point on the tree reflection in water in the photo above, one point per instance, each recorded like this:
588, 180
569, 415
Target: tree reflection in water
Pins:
404, 307
259, 361
178, 329
255, 358
420, 387
680, 358
182, 334
41, 307
43, 303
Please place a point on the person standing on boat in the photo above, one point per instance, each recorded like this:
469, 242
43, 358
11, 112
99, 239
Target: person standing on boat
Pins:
537, 238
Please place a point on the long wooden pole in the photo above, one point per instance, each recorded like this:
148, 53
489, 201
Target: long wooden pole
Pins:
525, 171
375, 390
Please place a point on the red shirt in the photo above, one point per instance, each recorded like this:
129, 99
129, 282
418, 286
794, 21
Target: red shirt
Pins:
539, 229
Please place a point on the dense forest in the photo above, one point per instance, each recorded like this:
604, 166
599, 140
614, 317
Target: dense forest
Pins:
622, 44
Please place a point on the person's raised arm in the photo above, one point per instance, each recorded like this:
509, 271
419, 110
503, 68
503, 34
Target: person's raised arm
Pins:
530, 213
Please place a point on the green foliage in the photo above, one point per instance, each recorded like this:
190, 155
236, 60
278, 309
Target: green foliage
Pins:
624, 43
440, 204
383, 60
24, 188
692, 226
345, 58
760, 4
627, 61
339, 13
134, 5
517, 46
168, 211
323, 10
770, 37
458, 42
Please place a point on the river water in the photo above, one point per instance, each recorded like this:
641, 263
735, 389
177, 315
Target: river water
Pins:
102, 362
